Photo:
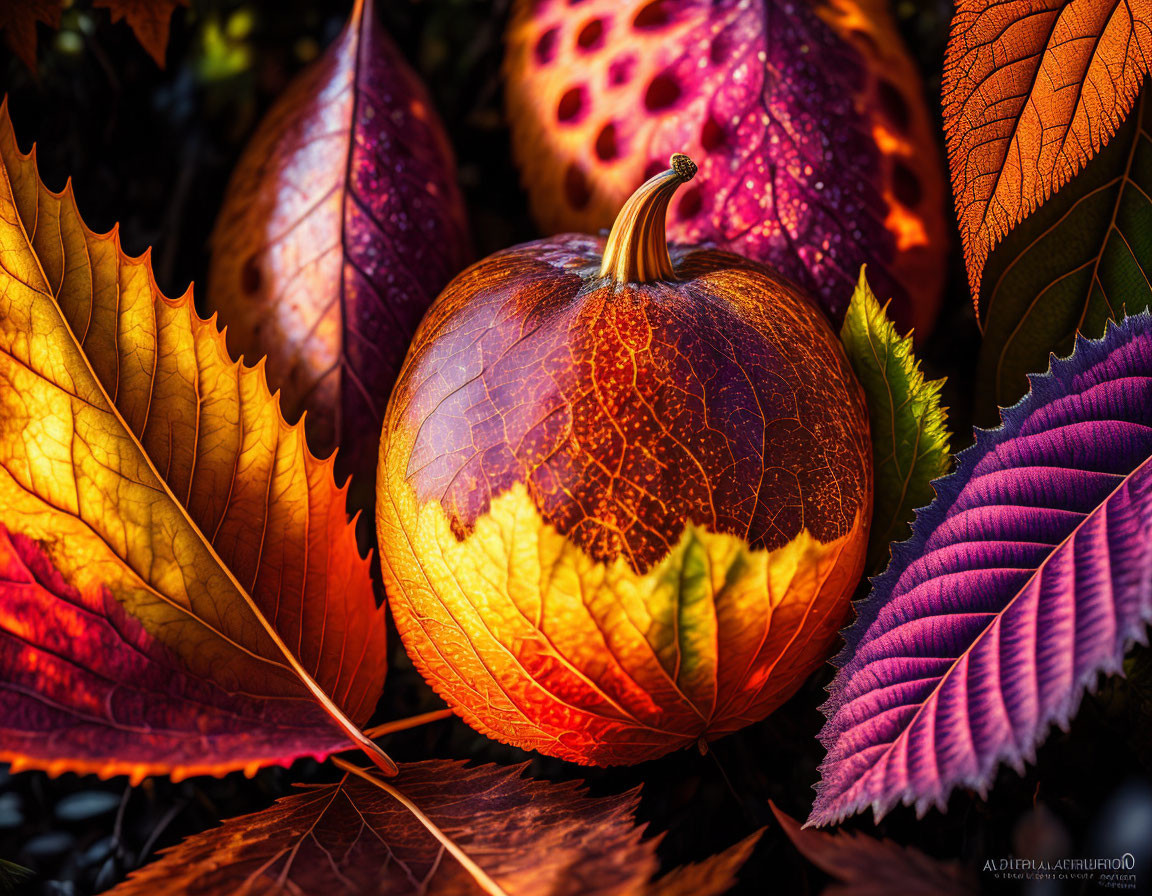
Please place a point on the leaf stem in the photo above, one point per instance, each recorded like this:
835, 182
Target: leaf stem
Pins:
478, 874
411, 722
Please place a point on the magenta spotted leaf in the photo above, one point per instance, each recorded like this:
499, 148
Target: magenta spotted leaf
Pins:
815, 146
1027, 577
84, 688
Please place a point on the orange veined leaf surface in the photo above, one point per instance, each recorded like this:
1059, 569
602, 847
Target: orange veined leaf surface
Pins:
142, 462
524, 837
1032, 90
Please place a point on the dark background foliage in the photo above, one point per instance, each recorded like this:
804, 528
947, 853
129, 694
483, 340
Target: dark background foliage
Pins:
157, 147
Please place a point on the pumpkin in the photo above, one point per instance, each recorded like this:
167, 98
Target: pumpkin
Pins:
623, 490
817, 150
341, 223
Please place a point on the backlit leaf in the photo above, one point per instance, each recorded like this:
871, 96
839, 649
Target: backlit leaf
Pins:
531, 837
867, 866
1083, 258
341, 224
1027, 577
83, 688
1032, 90
909, 435
143, 460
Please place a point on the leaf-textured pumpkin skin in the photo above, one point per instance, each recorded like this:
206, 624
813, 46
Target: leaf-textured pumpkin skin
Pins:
616, 519
145, 461
1032, 90
83, 688
815, 146
341, 223
1027, 577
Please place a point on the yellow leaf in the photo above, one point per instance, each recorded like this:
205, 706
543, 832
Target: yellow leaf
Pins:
145, 460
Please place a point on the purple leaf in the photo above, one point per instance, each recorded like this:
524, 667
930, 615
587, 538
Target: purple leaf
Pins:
1028, 576
341, 223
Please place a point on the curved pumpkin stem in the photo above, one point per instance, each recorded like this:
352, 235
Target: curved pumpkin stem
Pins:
637, 248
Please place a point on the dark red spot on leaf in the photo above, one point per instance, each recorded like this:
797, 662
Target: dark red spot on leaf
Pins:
576, 189
662, 93
655, 15
711, 135
720, 49
906, 185
546, 47
690, 203
606, 146
250, 276
620, 71
895, 107
571, 104
591, 35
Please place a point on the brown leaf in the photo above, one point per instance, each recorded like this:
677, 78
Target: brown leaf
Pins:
531, 837
1032, 90
18, 20
149, 20
714, 875
867, 866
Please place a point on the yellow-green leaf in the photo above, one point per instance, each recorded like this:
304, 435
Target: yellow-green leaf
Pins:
909, 431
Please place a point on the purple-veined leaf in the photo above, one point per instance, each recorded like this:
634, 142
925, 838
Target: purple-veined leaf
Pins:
1028, 576
341, 223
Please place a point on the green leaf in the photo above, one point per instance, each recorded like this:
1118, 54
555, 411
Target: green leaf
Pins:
909, 433
1082, 258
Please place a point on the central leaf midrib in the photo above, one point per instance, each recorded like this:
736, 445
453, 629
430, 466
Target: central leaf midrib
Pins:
43, 290
998, 615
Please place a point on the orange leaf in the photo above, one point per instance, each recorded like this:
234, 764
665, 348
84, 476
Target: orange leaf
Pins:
18, 20
529, 838
144, 460
149, 20
1032, 90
